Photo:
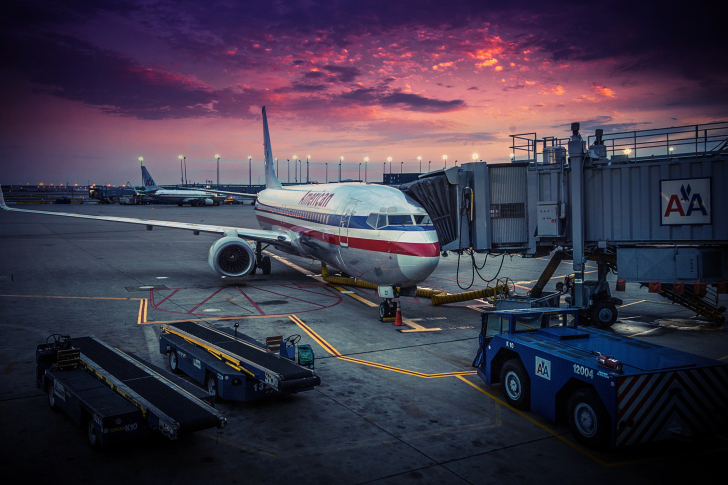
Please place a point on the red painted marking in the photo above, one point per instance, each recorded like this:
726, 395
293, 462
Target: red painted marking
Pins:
251, 302
425, 250
333, 294
291, 297
166, 298
205, 300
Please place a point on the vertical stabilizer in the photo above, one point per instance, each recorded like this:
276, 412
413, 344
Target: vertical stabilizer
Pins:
271, 181
148, 181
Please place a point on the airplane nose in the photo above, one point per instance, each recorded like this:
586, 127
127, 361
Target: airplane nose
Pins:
419, 256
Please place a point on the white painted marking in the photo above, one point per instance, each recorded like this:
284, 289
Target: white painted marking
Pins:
211, 310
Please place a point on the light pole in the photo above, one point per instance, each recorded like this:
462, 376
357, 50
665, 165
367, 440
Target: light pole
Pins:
218, 171
401, 168
341, 159
444, 157
295, 167
359, 171
289, 170
419, 159
141, 161
277, 172
250, 170
308, 158
429, 166
389, 159
327, 172
366, 163
181, 171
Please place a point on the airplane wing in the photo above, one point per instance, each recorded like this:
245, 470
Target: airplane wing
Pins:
267, 237
239, 194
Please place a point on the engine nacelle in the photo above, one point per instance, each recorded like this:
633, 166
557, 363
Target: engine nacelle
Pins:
231, 256
209, 202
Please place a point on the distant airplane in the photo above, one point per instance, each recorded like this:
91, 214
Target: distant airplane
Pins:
372, 232
194, 197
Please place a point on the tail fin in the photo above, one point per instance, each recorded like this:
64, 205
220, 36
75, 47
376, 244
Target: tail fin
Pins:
148, 181
271, 181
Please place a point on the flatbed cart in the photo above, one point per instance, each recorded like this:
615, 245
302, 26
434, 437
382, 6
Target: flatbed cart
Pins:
118, 396
234, 366
613, 391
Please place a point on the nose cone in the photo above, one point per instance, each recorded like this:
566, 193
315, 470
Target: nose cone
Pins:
420, 253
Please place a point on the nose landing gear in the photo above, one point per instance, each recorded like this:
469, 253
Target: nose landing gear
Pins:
387, 309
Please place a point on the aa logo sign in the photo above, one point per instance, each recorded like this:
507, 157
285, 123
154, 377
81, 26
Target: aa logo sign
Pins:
685, 201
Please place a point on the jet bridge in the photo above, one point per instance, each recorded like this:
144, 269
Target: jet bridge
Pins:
648, 205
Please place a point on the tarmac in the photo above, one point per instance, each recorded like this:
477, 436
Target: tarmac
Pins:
396, 404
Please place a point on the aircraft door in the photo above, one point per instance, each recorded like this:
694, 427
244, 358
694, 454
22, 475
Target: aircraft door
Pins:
344, 224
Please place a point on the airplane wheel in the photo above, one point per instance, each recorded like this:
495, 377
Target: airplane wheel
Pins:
384, 310
93, 438
603, 314
265, 265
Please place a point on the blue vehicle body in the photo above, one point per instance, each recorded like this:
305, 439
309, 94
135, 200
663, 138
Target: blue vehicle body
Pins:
640, 392
227, 374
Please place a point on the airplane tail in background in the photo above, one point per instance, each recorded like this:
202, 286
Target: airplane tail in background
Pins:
148, 181
271, 181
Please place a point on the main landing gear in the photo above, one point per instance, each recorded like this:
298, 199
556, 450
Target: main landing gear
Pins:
262, 262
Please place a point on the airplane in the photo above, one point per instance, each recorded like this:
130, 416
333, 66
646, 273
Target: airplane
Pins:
194, 197
371, 232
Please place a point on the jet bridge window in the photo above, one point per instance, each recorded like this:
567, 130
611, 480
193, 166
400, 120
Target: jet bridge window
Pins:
422, 220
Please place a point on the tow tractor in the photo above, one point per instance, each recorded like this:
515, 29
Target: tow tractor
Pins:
117, 396
236, 367
613, 391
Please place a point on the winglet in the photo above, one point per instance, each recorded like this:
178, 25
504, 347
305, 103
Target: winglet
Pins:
271, 181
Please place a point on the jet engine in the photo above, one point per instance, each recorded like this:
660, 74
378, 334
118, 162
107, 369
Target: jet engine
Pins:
231, 256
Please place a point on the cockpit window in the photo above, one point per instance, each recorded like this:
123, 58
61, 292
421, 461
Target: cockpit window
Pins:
382, 221
400, 220
372, 220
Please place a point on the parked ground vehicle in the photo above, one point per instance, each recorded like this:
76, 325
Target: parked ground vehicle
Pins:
613, 391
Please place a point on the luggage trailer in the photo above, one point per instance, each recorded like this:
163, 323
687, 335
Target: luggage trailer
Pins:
613, 391
235, 366
118, 396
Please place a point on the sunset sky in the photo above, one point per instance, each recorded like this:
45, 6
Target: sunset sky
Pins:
90, 86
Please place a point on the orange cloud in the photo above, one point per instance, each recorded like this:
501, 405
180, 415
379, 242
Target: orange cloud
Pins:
603, 91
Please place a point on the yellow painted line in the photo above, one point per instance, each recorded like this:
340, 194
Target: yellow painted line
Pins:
355, 296
142, 311
294, 266
71, 297
724, 358
554, 277
416, 327
335, 353
633, 303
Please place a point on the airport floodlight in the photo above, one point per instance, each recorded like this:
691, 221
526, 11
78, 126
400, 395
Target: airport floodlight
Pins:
672, 148
366, 159
141, 160
627, 151
444, 157
513, 156
419, 159
475, 157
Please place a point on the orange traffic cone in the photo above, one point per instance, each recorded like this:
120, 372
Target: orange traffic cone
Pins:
398, 319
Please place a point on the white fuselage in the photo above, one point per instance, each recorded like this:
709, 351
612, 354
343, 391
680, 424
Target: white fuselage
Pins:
371, 232
185, 196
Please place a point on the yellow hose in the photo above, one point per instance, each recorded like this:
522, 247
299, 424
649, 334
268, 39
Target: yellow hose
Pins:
438, 297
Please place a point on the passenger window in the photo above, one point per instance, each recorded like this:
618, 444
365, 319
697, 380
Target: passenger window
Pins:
372, 220
400, 220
